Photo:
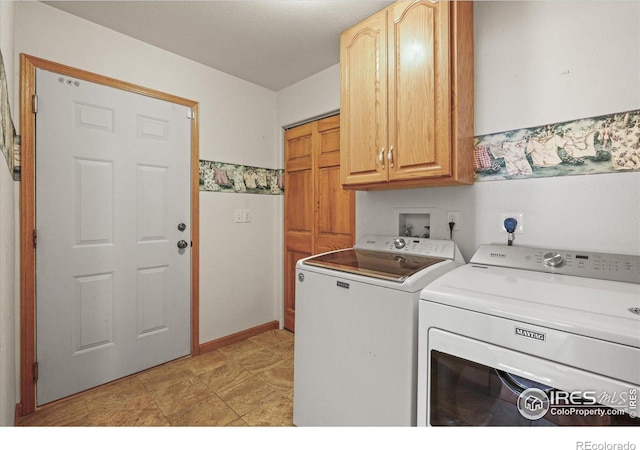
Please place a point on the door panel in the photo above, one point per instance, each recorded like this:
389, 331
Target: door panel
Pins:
153, 192
93, 197
335, 213
152, 301
335, 217
300, 202
93, 305
112, 183
291, 258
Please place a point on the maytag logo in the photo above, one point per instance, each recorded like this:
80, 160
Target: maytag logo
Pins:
342, 284
530, 334
497, 255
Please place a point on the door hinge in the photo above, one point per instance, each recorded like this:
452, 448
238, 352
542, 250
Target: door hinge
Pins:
34, 104
35, 238
191, 114
35, 371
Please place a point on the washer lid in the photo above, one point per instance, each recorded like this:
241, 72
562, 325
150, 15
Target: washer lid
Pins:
600, 309
383, 265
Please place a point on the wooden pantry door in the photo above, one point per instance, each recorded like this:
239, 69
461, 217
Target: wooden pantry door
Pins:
319, 216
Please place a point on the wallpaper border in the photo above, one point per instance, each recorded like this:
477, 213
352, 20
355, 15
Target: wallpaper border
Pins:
601, 144
9, 141
235, 178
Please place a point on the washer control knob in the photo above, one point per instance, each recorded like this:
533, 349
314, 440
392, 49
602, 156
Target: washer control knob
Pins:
399, 243
553, 259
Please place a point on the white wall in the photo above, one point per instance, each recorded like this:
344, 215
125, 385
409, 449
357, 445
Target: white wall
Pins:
238, 284
9, 311
538, 63
309, 98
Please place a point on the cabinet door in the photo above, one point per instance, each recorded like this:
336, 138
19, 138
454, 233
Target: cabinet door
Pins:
335, 212
298, 210
363, 101
419, 90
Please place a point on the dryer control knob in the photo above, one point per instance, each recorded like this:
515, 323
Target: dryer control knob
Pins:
399, 243
553, 259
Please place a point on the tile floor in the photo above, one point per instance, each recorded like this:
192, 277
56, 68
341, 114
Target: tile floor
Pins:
249, 383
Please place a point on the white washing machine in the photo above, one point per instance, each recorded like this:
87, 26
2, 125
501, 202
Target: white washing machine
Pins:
529, 337
356, 338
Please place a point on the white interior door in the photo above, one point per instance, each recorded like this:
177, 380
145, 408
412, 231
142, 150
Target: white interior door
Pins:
112, 187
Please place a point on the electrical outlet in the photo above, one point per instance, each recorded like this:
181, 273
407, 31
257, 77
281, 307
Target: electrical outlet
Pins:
516, 215
246, 216
238, 216
454, 217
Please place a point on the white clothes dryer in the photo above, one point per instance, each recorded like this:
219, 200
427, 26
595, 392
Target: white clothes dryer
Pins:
529, 337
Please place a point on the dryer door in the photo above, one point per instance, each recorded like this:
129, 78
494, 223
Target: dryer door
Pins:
473, 383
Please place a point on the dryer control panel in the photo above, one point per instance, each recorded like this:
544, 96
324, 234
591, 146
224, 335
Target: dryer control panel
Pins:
604, 266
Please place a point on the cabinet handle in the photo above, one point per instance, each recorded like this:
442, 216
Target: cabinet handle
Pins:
390, 156
381, 157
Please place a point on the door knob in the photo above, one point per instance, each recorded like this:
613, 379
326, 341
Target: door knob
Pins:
182, 244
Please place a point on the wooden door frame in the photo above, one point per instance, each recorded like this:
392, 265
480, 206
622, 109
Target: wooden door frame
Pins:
28, 66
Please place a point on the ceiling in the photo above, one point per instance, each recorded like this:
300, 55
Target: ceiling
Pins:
272, 43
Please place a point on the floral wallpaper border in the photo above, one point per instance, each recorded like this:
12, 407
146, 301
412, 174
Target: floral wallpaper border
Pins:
602, 144
226, 177
9, 141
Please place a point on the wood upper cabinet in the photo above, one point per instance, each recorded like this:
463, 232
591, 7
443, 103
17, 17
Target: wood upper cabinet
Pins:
363, 101
407, 97
319, 216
